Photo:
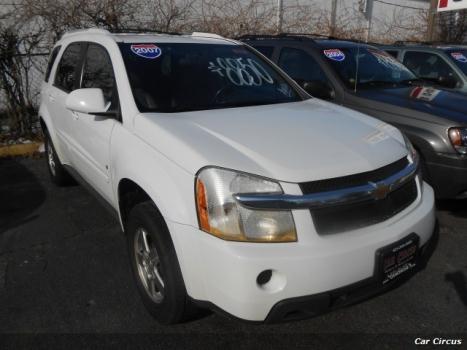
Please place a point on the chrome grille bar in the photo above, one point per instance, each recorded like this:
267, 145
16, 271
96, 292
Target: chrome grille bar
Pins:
364, 192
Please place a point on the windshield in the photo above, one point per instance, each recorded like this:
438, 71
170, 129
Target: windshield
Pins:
459, 57
375, 67
170, 77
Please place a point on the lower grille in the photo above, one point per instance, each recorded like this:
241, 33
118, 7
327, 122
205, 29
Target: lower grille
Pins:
353, 216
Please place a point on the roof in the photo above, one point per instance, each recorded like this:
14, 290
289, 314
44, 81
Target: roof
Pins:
314, 39
151, 36
423, 46
341, 44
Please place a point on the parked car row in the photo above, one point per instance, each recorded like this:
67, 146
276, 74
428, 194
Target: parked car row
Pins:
239, 191
369, 80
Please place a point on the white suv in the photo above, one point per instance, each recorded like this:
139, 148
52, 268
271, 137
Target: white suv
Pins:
236, 190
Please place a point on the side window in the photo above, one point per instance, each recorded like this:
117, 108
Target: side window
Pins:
52, 58
65, 78
98, 73
301, 66
265, 50
430, 66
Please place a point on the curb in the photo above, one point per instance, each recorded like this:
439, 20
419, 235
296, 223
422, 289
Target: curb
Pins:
21, 150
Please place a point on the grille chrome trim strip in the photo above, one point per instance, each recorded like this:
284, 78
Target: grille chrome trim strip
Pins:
368, 191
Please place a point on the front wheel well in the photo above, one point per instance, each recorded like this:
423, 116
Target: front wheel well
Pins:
129, 195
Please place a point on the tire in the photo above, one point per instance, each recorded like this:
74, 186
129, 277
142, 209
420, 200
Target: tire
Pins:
155, 266
58, 173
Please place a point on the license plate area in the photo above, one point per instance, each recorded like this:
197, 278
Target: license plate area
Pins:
397, 259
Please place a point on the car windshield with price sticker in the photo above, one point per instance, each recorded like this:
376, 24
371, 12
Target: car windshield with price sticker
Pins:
459, 57
368, 67
180, 77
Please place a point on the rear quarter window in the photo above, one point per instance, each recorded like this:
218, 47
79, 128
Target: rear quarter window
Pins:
50, 64
393, 53
265, 50
66, 75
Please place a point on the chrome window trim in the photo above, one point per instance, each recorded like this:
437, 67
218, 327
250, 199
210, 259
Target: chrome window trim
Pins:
368, 191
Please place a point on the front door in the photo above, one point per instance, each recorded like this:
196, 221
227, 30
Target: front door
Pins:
91, 133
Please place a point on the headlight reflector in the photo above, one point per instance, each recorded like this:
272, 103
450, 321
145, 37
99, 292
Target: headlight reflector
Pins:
222, 216
458, 137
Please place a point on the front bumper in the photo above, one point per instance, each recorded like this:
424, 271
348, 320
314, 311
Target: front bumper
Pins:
448, 175
224, 274
313, 305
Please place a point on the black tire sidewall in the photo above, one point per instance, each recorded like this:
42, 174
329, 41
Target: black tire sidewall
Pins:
172, 308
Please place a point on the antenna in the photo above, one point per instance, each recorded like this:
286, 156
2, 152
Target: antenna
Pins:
357, 68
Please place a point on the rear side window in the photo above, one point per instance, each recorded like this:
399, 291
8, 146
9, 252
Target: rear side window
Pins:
301, 66
265, 50
392, 53
66, 75
429, 66
52, 59
98, 73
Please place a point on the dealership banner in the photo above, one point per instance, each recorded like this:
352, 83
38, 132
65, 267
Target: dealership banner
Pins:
450, 5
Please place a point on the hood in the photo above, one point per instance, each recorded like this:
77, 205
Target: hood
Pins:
445, 104
292, 142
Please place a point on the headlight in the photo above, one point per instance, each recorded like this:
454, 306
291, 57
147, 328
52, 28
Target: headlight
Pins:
458, 137
220, 214
413, 154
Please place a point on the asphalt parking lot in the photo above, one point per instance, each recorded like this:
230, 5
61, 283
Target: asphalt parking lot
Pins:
64, 269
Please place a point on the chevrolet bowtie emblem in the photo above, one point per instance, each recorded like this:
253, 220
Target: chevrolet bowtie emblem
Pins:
381, 190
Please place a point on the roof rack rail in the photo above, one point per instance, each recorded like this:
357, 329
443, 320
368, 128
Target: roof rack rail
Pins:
297, 36
411, 42
117, 31
85, 30
414, 42
207, 35
141, 30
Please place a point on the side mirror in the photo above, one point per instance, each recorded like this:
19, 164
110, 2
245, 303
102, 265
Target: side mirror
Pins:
89, 101
447, 81
319, 89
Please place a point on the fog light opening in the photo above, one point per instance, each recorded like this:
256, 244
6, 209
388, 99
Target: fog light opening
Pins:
264, 277
271, 281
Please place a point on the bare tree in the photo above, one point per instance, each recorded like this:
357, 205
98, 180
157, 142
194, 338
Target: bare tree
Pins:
16, 62
170, 15
453, 26
402, 25
351, 24
235, 17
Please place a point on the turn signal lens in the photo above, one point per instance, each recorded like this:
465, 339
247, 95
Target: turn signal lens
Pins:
458, 137
202, 205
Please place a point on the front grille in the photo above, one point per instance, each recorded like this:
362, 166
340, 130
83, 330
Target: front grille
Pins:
348, 217
338, 183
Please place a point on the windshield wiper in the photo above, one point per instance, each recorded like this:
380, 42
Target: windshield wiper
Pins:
414, 81
377, 83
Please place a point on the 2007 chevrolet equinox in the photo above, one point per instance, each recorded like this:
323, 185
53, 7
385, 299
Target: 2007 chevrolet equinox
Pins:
236, 190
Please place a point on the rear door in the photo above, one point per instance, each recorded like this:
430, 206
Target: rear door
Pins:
91, 133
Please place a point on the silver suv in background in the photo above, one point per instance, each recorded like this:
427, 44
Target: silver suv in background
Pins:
444, 65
